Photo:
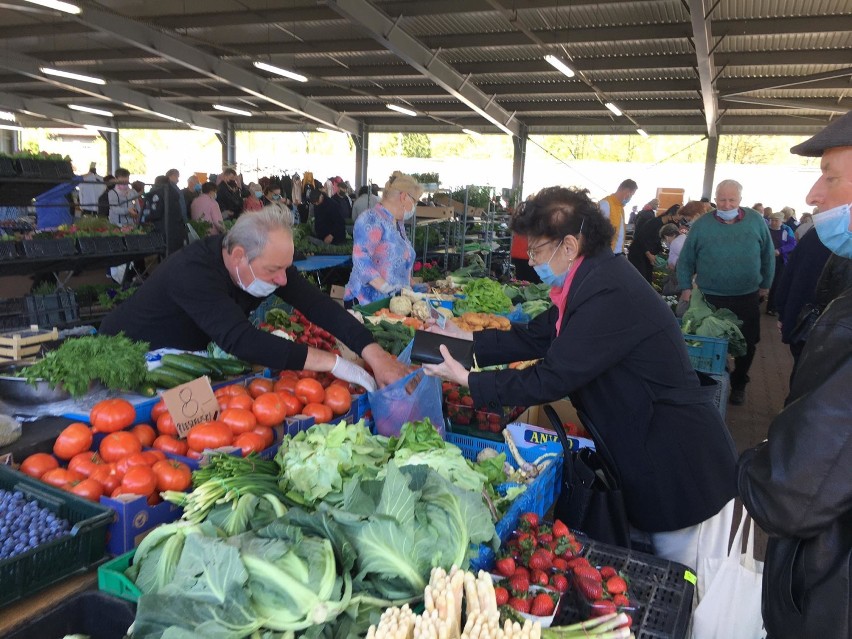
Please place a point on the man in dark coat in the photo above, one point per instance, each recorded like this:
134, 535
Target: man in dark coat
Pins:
797, 485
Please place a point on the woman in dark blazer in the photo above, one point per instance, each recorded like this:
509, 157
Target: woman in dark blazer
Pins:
615, 349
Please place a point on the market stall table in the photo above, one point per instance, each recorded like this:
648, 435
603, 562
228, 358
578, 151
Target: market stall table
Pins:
318, 263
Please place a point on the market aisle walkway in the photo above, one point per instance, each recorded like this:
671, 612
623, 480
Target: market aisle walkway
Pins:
765, 394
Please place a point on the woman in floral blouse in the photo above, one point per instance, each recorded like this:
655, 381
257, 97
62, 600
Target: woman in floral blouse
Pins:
382, 256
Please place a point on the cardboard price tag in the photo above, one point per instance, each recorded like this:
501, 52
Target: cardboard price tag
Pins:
190, 404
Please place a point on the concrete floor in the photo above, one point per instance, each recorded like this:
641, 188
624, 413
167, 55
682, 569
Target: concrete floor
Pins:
765, 394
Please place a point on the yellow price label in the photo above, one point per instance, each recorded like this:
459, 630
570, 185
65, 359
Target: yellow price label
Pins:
690, 577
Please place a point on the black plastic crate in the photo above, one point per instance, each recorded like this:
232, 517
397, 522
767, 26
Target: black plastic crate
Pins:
27, 168
101, 245
92, 613
55, 560
13, 313
58, 309
7, 167
49, 247
8, 250
660, 588
150, 242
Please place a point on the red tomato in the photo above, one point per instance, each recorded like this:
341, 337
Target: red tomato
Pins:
310, 391
117, 445
307, 374
230, 390
321, 413
172, 475
194, 454
107, 476
154, 499
154, 455
166, 425
145, 434
74, 439
85, 463
59, 477
240, 401
239, 420
290, 374
136, 459
87, 489
212, 434
269, 409
338, 399
38, 464
287, 384
291, 403
111, 415
140, 480
259, 386
171, 445
121, 490
159, 409
250, 443
266, 434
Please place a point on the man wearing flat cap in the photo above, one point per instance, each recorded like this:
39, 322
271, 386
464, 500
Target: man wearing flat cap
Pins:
797, 485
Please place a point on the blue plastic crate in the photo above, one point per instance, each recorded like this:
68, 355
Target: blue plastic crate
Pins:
707, 354
539, 496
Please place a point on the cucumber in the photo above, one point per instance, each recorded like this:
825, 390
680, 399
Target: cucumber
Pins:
216, 370
164, 379
177, 373
232, 366
188, 364
147, 389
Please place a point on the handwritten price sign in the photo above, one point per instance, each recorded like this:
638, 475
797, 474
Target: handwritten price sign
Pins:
190, 404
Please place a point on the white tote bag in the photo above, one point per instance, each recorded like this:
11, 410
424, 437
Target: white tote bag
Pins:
729, 606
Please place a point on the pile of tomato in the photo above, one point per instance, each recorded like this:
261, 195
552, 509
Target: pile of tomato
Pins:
119, 465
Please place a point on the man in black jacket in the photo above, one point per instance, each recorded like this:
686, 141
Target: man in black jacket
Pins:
230, 194
797, 485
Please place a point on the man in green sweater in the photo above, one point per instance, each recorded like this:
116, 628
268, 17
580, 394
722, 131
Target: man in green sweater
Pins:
731, 255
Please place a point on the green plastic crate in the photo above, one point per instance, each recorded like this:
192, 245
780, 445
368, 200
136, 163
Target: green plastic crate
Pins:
112, 580
55, 560
372, 307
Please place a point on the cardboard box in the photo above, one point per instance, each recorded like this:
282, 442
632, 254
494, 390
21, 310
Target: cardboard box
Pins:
134, 519
441, 212
337, 293
564, 409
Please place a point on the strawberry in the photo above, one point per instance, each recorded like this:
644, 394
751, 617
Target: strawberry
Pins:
602, 607
616, 585
621, 601
501, 595
529, 521
591, 590
522, 571
506, 567
520, 604
539, 578
542, 605
560, 564
544, 539
519, 584
578, 561
547, 553
560, 529
587, 572
540, 561
608, 571
560, 583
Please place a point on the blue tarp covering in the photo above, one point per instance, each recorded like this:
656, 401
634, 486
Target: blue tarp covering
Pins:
53, 208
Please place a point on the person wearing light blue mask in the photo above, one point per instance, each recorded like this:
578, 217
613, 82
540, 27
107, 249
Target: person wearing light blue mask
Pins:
796, 484
613, 347
206, 291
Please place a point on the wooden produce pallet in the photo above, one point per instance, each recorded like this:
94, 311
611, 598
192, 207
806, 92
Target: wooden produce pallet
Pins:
24, 343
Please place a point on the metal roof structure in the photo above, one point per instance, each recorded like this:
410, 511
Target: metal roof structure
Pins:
670, 66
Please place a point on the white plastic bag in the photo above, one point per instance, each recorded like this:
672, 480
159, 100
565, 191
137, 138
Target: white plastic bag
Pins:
729, 602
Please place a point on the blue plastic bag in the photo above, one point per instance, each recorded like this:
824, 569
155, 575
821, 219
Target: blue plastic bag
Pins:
396, 404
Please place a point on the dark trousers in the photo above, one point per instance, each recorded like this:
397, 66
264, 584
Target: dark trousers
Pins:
747, 309
640, 261
779, 272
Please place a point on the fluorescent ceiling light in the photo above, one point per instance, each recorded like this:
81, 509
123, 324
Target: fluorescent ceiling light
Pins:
325, 130
223, 107
72, 76
642, 132
403, 110
559, 65
11, 127
475, 134
7, 115
97, 127
65, 7
203, 129
613, 108
279, 71
86, 109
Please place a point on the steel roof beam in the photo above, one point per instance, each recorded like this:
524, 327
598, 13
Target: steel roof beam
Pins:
111, 91
173, 48
808, 105
815, 80
426, 61
50, 111
703, 42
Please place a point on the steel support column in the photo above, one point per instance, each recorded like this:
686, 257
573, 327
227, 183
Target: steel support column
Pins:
112, 152
362, 153
710, 167
519, 162
703, 41
228, 140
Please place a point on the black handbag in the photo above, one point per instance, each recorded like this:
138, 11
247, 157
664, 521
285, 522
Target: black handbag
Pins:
591, 500
805, 323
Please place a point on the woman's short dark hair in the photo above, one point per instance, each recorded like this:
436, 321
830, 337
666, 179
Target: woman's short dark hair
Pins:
208, 187
557, 211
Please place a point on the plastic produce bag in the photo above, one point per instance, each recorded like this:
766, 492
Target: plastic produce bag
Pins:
10, 430
729, 607
412, 398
